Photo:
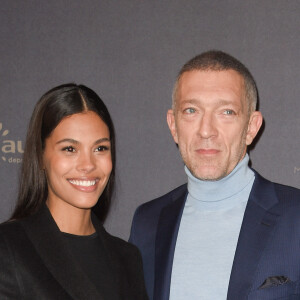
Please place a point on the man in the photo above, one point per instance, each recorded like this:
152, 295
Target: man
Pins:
228, 233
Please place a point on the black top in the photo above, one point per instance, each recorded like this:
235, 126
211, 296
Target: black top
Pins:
36, 263
92, 258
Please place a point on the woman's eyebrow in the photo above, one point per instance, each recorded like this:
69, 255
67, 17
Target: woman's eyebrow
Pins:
72, 141
102, 140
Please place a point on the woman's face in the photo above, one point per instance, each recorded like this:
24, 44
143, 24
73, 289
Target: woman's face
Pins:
77, 161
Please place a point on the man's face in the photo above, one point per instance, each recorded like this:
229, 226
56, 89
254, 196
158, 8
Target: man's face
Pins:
211, 123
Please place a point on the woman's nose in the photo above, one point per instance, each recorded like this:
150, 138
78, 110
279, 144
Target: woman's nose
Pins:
86, 162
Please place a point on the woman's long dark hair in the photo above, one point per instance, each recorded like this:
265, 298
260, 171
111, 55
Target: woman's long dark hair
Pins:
60, 102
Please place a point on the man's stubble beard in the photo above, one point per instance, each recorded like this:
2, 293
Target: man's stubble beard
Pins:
224, 172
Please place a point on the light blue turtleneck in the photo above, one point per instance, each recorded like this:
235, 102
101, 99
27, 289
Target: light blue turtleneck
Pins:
208, 234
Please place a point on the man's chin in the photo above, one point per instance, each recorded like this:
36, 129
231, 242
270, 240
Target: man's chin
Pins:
209, 174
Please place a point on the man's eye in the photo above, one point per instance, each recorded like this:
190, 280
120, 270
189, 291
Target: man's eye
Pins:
229, 112
69, 149
102, 148
190, 110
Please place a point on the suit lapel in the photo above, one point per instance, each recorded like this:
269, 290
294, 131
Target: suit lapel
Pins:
256, 229
49, 244
167, 231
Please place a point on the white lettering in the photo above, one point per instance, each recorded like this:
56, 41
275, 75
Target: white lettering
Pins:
10, 146
13, 160
19, 147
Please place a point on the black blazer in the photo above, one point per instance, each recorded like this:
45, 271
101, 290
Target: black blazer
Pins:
35, 263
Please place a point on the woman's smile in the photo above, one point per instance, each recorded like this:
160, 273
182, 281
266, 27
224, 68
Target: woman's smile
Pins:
77, 161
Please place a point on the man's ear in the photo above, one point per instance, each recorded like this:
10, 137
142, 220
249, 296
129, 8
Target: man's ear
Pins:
171, 124
255, 122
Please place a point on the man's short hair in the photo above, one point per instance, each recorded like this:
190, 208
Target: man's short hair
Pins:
214, 60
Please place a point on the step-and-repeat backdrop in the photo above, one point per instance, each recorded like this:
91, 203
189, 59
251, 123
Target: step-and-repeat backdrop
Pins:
129, 52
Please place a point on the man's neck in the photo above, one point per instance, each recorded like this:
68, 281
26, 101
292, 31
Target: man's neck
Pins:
221, 191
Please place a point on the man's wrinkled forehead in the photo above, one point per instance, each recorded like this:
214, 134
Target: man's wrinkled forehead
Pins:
184, 79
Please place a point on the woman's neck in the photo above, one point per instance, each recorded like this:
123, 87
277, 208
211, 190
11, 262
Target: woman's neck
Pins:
71, 219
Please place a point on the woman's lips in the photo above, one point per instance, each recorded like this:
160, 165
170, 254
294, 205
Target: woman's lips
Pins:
84, 185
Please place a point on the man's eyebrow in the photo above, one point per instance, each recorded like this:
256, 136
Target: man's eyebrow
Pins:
72, 141
197, 102
189, 101
227, 102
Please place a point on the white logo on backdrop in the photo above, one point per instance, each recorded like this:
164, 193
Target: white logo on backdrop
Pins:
297, 170
11, 149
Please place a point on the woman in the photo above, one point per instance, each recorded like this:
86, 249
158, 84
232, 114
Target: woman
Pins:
53, 247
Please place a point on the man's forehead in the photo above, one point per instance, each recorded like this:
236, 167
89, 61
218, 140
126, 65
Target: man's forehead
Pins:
224, 85
211, 81
211, 74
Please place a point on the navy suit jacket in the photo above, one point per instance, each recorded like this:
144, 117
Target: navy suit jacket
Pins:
268, 244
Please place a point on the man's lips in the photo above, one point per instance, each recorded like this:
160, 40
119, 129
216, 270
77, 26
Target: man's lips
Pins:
85, 185
207, 151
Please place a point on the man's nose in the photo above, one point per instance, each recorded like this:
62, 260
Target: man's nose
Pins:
207, 126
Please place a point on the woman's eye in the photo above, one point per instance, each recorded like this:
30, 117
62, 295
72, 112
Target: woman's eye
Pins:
190, 110
102, 148
69, 149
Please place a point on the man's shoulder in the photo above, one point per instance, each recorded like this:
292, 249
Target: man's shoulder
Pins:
149, 212
287, 188
147, 215
287, 193
283, 193
164, 200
